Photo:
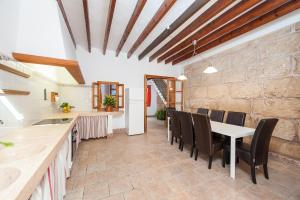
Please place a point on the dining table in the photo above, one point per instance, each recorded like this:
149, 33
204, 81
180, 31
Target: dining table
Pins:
233, 132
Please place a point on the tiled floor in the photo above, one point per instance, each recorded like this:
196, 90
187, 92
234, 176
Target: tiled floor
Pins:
148, 167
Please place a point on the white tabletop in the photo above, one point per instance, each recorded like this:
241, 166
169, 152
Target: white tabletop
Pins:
231, 130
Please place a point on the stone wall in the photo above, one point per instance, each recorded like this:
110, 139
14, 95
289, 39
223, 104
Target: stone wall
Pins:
261, 78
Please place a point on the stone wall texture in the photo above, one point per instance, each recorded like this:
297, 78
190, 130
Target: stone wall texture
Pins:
261, 78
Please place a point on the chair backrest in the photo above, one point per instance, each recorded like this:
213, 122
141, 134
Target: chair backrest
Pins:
203, 134
186, 127
236, 118
203, 111
168, 110
175, 123
261, 140
217, 115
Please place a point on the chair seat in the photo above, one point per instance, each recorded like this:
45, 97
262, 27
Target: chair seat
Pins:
217, 145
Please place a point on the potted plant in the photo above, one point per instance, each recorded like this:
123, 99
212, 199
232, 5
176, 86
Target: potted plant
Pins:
161, 114
66, 107
109, 103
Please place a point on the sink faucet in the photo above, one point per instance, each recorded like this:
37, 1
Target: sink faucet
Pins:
1, 122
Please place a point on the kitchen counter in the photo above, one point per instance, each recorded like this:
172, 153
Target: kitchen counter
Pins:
23, 165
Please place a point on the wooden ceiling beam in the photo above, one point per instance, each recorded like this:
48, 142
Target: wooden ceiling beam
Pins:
190, 11
136, 13
87, 22
63, 12
271, 16
249, 16
164, 8
207, 15
215, 24
110, 16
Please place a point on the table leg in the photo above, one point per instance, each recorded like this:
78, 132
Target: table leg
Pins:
232, 157
168, 121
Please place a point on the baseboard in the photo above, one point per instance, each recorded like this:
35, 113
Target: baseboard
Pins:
119, 130
284, 159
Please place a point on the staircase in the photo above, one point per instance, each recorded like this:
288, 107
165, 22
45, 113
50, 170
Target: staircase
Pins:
161, 88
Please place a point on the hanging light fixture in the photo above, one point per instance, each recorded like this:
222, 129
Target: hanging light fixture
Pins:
210, 69
182, 77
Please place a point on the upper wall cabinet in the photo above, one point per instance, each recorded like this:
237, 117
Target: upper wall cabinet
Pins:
101, 89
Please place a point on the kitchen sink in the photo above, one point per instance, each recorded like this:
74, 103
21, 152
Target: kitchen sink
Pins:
19, 153
54, 121
8, 176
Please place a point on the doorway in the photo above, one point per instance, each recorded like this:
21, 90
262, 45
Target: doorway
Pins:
170, 98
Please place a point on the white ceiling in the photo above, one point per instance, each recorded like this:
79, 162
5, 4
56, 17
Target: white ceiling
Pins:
98, 10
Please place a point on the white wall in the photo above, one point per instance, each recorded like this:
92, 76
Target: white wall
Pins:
32, 107
9, 15
95, 66
41, 32
153, 108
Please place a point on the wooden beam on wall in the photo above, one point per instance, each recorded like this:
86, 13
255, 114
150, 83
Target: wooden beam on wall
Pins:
71, 65
87, 23
110, 16
190, 11
273, 15
256, 12
164, 8
207, 15
13, 71
63, 12
27, 58
215, 24
13, 92
136, 13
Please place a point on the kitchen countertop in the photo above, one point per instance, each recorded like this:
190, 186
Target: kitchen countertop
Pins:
35, 147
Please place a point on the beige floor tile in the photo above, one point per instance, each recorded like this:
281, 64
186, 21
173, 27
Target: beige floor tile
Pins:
121, 185
148, 167
95, 191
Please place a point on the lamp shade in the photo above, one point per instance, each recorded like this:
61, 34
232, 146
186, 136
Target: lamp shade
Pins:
182, 77
210, 70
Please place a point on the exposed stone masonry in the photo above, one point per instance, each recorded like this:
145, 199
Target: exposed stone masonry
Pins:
261, 78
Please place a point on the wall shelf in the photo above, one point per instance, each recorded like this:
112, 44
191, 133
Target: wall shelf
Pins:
4, 92
13, 71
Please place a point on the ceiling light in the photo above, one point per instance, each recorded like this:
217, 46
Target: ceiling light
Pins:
210, 70
182, 77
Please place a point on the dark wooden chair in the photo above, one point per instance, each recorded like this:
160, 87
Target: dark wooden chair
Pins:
203, 111
204, 141
238, 119
175, 126
217, 115
257, 153
168, 114
187, 130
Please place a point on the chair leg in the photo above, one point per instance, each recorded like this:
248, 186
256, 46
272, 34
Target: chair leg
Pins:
209, 161
192, 151
223, 158
253, 176
196, 154
237, 159
172, 138
176, 140
266, 171
182, 143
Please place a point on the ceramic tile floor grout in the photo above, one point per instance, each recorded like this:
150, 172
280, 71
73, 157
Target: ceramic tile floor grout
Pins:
148, 167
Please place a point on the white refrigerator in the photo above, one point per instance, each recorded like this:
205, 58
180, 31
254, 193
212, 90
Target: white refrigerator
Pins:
134, 110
